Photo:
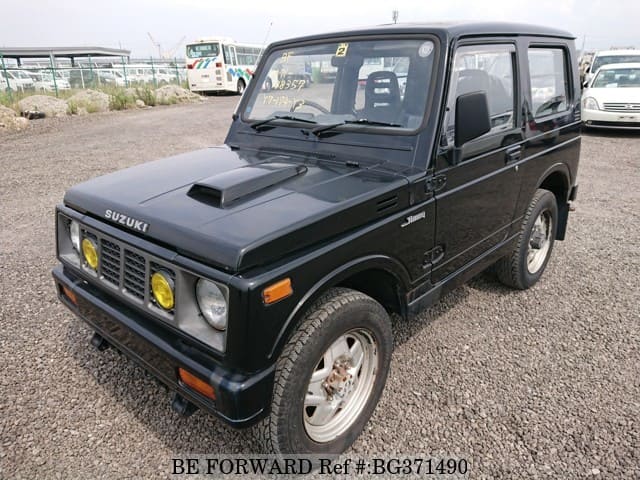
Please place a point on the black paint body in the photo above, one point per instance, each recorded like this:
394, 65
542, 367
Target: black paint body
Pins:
336, 219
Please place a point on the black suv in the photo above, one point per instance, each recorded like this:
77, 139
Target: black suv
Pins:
257, 278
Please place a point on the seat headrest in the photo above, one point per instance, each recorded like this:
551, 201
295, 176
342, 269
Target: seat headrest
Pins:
382, 88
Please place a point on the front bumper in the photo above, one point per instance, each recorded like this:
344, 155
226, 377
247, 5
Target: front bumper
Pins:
241, 400
605, 119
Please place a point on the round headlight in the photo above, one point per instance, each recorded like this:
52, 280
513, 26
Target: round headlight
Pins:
90, 253
212, 303
162, 289
74, 235
591, 103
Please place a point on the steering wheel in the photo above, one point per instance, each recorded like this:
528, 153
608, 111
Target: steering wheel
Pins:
309, 103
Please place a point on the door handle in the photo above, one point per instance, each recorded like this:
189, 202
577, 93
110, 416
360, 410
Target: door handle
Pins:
513, 154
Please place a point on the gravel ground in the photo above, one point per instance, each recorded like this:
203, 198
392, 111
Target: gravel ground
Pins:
536, 384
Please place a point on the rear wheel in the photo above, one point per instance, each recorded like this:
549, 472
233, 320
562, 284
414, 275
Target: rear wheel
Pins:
241, 86
524, 266
330, 376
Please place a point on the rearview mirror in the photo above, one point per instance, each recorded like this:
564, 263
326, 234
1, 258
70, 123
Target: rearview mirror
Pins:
472, 117
337, 61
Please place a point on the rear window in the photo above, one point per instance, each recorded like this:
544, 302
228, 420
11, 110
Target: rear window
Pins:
549, 81
200, 50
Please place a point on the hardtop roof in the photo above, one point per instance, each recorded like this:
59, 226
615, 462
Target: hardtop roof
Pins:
444, 29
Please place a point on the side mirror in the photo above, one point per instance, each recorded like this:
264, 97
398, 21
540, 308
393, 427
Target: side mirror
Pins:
472, 117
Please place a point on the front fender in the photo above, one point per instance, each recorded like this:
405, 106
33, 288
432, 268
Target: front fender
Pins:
371, 262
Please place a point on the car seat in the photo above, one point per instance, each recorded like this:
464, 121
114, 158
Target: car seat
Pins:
382, 102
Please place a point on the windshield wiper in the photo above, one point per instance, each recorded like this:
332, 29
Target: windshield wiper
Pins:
361, 121
259, 123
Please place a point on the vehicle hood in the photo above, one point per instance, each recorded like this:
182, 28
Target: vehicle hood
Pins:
238, 209
613, 95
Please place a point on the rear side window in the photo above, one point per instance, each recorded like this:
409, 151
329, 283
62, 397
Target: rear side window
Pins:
229, 56
549, 84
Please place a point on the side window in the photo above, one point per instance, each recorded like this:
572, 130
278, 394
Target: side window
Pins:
549, 84
489, 69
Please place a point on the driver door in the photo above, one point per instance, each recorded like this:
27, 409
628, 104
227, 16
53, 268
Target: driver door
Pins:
477, 201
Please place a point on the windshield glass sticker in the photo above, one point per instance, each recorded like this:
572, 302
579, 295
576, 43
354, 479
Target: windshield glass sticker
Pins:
425, 49
341, 51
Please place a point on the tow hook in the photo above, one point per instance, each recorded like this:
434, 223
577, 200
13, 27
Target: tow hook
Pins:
99, 342
182, 406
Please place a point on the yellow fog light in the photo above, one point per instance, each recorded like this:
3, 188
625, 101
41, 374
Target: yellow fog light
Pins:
90, 253
162, 288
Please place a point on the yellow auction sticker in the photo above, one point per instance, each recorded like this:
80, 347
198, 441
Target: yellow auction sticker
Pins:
342, 50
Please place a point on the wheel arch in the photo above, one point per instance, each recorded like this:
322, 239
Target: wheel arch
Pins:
381, 277
557, 180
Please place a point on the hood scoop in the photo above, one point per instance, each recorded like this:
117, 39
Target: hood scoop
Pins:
225, 188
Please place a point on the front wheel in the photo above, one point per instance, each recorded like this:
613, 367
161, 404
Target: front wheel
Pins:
524, 266
330, 376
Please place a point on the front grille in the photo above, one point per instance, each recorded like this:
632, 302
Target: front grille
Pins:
110, 257
135, 267
126, 268
622, 107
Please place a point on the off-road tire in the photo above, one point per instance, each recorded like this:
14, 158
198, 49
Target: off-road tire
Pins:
512, 269
336, 312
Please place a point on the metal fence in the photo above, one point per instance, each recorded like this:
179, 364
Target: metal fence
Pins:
56, 79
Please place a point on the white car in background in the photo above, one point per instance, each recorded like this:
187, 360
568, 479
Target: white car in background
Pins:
43, 82
607, 57
18, 80
166, 75
612, 97
7, 82
111, 76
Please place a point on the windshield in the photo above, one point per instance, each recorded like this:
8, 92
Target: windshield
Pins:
618, 78
338, 82
200, 50
609, 59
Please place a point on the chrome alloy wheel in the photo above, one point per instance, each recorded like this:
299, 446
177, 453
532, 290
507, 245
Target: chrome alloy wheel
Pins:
539, 242
340, 385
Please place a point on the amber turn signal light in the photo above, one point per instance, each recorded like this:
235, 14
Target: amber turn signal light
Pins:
70, 295
195, 383
277, 291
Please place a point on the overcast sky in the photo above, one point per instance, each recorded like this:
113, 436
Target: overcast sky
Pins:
125, 23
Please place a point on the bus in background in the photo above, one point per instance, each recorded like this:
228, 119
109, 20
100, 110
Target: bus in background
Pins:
220, 65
